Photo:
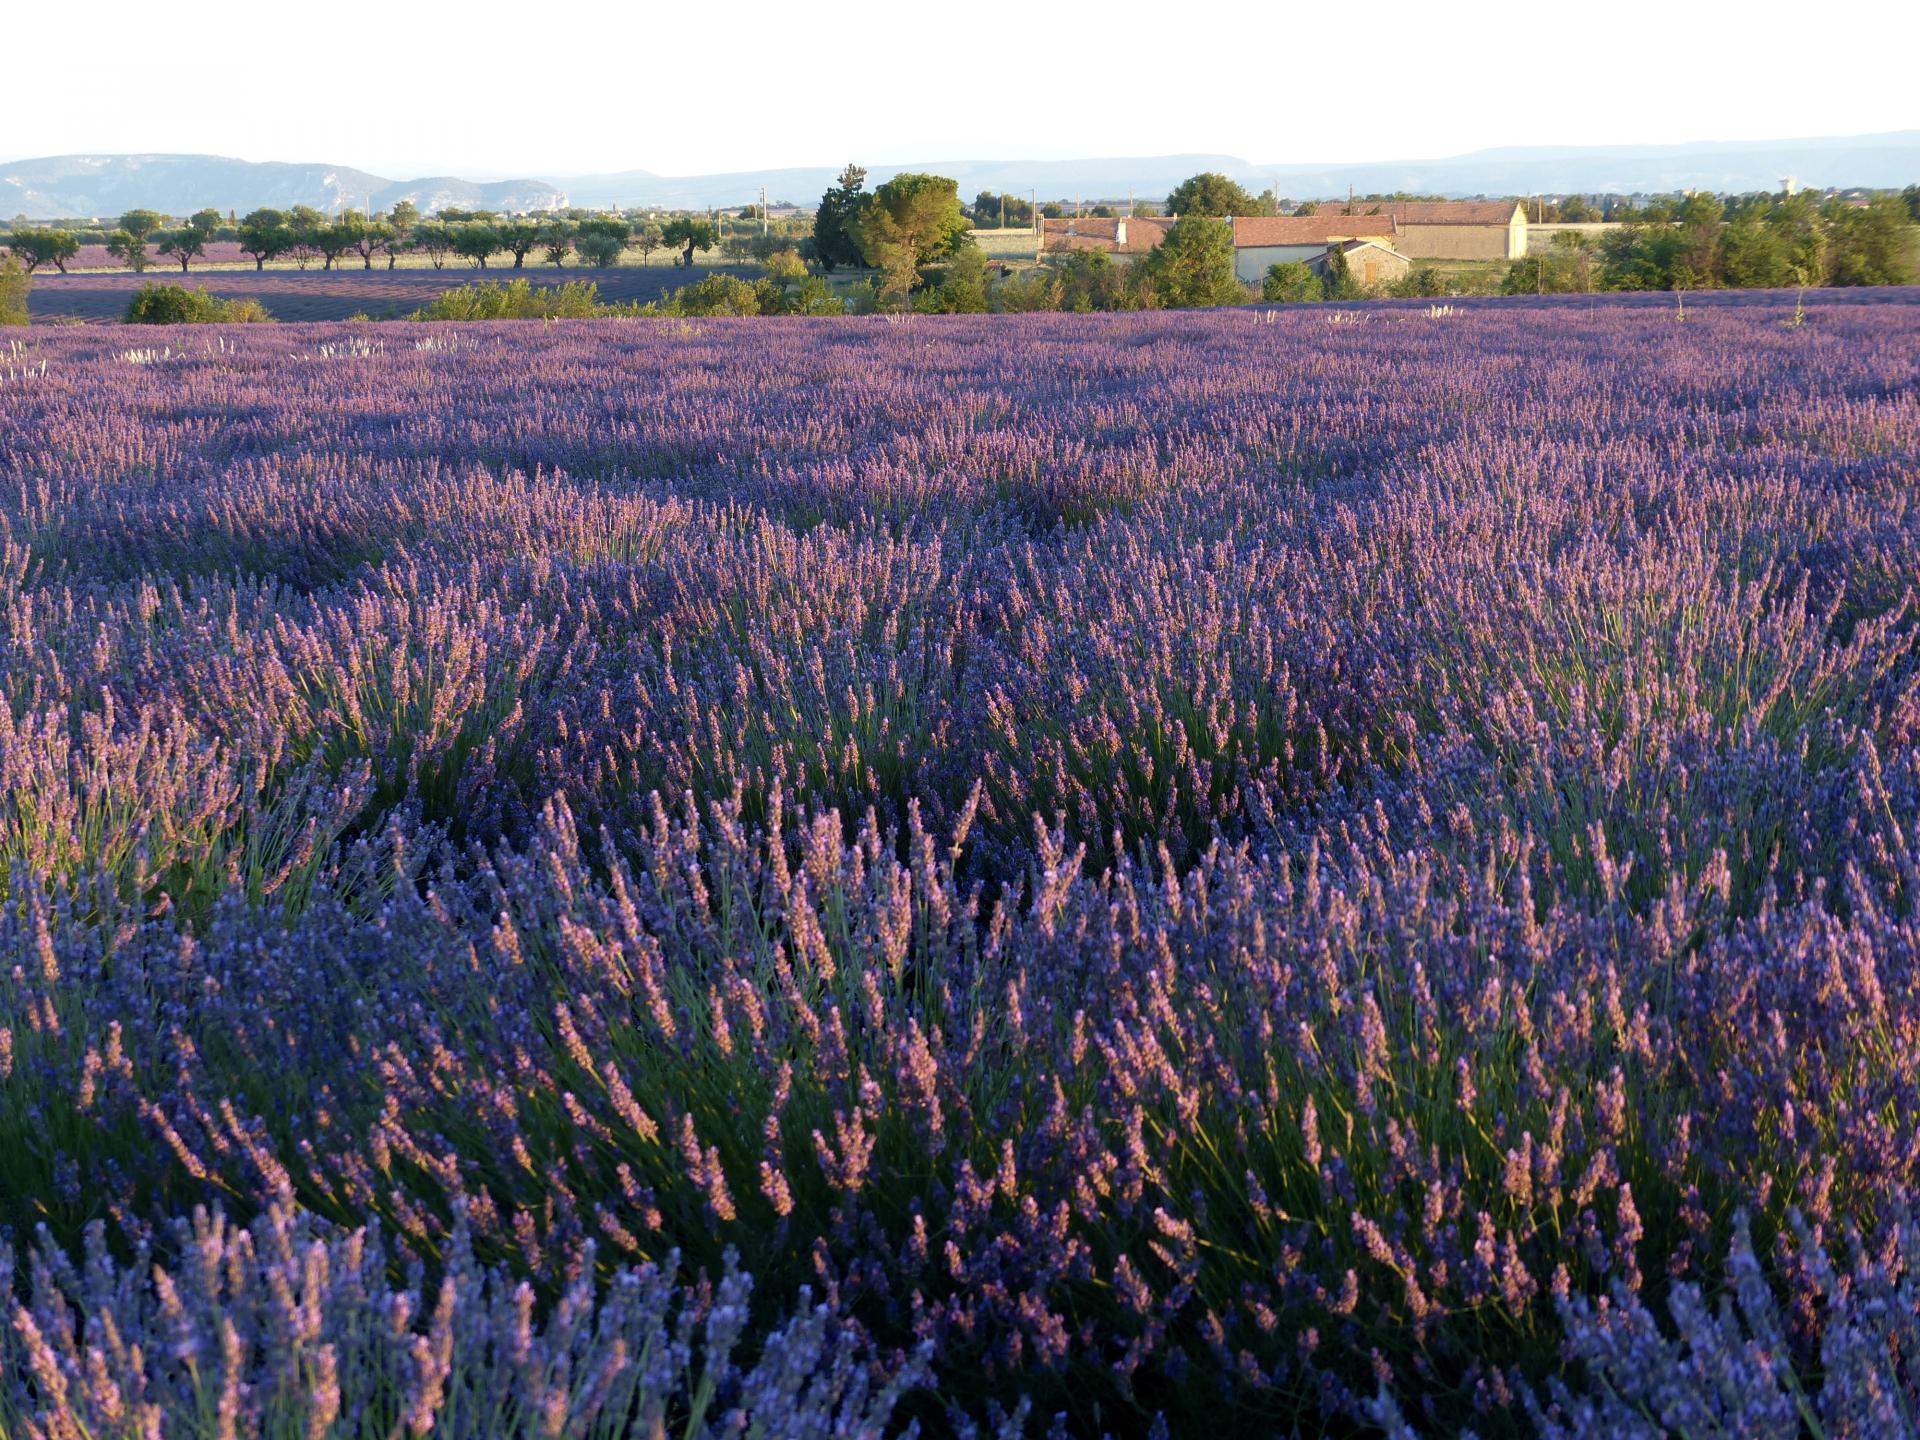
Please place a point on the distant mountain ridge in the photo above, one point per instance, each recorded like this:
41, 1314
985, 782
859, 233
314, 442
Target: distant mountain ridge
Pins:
86, 185
67, 186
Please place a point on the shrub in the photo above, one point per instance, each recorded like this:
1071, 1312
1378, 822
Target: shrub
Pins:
14, 284
179, 305
515, 300
1288, 281
715, 295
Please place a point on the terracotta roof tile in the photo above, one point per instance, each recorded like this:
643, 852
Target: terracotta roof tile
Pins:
1308, 229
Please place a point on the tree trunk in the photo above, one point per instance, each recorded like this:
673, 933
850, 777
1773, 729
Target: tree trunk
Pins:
367, 257
688, 262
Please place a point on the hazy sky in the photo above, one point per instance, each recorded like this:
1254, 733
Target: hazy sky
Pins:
489, 90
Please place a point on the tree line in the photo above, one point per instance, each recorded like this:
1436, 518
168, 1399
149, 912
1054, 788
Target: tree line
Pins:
1705, 242
142, 238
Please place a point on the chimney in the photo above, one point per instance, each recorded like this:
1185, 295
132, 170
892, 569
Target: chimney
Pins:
1120, 234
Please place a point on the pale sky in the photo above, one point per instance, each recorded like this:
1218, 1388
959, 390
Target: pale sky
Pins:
490, 90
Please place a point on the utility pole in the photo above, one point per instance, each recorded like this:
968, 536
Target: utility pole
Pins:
1003, 209
763, 210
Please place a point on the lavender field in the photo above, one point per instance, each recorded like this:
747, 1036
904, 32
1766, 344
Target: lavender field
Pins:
1182, 874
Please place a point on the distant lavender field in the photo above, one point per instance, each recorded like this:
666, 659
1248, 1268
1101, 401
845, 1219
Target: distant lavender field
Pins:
317, 294
1192, 874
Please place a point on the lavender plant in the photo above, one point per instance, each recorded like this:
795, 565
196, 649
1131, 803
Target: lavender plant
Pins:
1165, 871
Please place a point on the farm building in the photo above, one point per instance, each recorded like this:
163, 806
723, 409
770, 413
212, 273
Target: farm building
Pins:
1448, 229
1371, 263
1263, 240
1120, 237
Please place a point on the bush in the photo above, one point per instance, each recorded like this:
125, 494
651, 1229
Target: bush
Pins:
715, 295
179, 305
1419, 283
14, 284
516, 300
1291, 280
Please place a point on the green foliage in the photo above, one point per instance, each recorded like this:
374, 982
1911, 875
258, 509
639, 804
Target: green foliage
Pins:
909, 221
15, 282
833, 243
474, 240
515, 300
517, 238
206, 221
1754, 254
1339, 281
1290, 281
433, 239
1419, 283
403, 217
556, 239
993, 212
179, 305
1211, 193
304, 228
142, 223
265, 235
601, 240
688, 233
37, 247
1087, 280
129, 248
714, 295
1194, 265
1029, 292
336, 239
185, 244
648, 238
1560, 270
1871, 244
961, 286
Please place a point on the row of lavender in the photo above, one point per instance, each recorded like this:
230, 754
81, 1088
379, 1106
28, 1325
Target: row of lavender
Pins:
1218, 867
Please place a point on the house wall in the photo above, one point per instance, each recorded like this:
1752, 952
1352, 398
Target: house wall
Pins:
1251, 263
1463, 242
1374, 269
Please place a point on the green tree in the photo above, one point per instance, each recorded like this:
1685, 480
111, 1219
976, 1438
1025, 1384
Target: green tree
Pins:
1210, 193
474, 241
689, 233
1290, 281
37, 247
1194, 264
373, 237
185, 244
402, 219
1753, 254
833, 242
909, 221
15, 283
1912, 196
207, 221
305, 225
648, 238
1088, 280
433, 239
1339, 282
960, 287
556, 240
264, 235
142, 224
129, 248
339, 237
1871, 244
602, 240
1697, 265
518, 238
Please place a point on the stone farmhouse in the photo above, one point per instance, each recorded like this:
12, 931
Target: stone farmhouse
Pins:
1391, 235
